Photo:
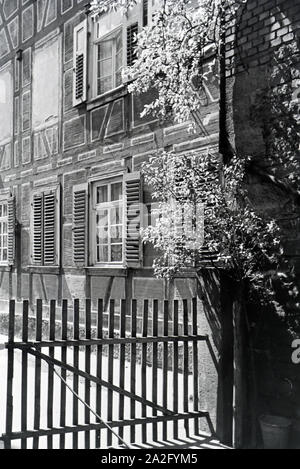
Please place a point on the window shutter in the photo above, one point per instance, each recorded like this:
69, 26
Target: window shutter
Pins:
132, 31
11, 232
145, 12
49, 228
133, 200
37, 254
80, 63
79, 225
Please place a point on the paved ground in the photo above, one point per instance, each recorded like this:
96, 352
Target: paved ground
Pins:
204, 441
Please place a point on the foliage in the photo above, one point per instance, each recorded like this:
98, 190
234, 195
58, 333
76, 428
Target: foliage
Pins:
171, 57
171, 51
236, 236
276, 110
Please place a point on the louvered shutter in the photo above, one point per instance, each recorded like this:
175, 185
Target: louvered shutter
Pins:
133, 201
132, 31
11, 229
79, 225
80, 64
49, 228
145, 12
37, 250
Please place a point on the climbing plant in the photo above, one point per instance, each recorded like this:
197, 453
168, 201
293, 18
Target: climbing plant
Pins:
189, 188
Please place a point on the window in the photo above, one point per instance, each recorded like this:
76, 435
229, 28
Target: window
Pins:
112, 46
108, 222
45, 225
3, 233
108, 228
109, 63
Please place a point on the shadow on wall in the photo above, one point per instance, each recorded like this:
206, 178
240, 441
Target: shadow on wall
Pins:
216, 357
276, 378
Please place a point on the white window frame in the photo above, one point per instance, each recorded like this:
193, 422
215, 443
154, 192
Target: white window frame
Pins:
127, 21
93, 220
108, 37
4, 219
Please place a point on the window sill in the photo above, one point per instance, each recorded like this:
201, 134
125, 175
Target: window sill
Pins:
106, 98
44, 269
107, 271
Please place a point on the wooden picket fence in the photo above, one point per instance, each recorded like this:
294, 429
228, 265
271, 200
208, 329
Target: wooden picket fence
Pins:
140, 367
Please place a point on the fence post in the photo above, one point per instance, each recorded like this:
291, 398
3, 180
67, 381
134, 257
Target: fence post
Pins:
10, 373
52, 319
99, 367
24, 373
37, 375
63, 373
133, 368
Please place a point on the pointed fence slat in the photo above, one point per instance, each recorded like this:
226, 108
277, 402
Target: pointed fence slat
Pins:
154, 365
122, 363
24, 378
165, 364
87, 390
99, 367
76, 320
111, 327
144, 367
38, 372
10, 372
195, 365
133, 369
63, 372
50, 400
186, 365
175, 368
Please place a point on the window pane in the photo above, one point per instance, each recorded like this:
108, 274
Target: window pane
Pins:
105, 85
102, 235
102, 253
80, 39
116, 253
105, 50
116, 234
119, 43
105, 68
5, 254
116, 215
102, 217
1, 206
4, 210
116, 191
102, 220
102, 196
119, 79
119, 61
5, 227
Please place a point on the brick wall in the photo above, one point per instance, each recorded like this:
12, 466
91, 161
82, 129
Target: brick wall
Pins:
263, 28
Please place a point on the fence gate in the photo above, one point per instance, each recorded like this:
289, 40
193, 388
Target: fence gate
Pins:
94, 379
